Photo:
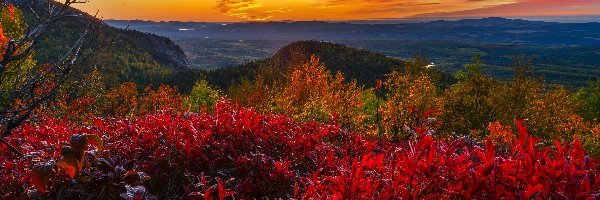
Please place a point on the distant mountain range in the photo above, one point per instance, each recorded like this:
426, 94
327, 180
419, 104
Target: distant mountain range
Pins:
489, 30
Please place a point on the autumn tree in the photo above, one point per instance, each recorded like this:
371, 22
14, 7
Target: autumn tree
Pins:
121, 101
467, 106
313, 92
24, 85
511, 99
409, 89
164, 98
590, 101
549, 114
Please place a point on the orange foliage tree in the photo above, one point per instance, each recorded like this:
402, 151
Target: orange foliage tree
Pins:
500, 134
163, 98
312, 92
121, 101
127, 101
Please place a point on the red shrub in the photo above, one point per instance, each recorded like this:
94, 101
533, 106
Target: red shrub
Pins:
239, 153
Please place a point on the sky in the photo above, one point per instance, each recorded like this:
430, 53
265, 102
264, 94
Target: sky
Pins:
330, 10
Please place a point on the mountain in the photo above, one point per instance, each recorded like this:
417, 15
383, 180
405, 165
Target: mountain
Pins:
121, 55
362, 65
356, 64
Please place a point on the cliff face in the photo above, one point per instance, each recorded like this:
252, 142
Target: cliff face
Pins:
162, 49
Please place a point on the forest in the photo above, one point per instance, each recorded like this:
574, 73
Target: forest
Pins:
114, 117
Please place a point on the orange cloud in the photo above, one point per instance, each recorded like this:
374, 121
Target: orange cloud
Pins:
246, 9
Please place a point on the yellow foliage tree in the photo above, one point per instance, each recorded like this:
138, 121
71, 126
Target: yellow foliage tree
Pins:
549, 114
591, 141
404, 90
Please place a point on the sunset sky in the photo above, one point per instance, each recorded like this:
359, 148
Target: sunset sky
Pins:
274, 10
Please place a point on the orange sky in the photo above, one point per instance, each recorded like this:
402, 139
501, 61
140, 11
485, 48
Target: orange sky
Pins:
272, 10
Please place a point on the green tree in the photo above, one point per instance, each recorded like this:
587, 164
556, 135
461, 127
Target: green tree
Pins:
203, 96
590, 101
467, 104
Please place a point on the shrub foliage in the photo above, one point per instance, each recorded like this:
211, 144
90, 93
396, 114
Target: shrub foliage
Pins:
237, 152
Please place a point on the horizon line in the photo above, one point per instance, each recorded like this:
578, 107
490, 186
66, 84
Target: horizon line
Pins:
414, 19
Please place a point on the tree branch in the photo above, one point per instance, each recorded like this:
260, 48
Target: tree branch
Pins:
11, 147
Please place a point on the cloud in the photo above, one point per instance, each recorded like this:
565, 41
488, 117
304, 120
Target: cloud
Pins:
405, 8
247, 9
227, 6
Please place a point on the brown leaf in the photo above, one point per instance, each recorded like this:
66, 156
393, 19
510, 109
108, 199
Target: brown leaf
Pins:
71, 157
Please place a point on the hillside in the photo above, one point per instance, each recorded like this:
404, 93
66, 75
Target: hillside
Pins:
120, 55
356, 64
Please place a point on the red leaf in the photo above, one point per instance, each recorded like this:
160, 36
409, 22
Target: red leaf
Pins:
221, 188
413, 109
431, 112
531, 191
208, 194
490, 151
522, 130
296, 190
557, 143
2, 147
425, 142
